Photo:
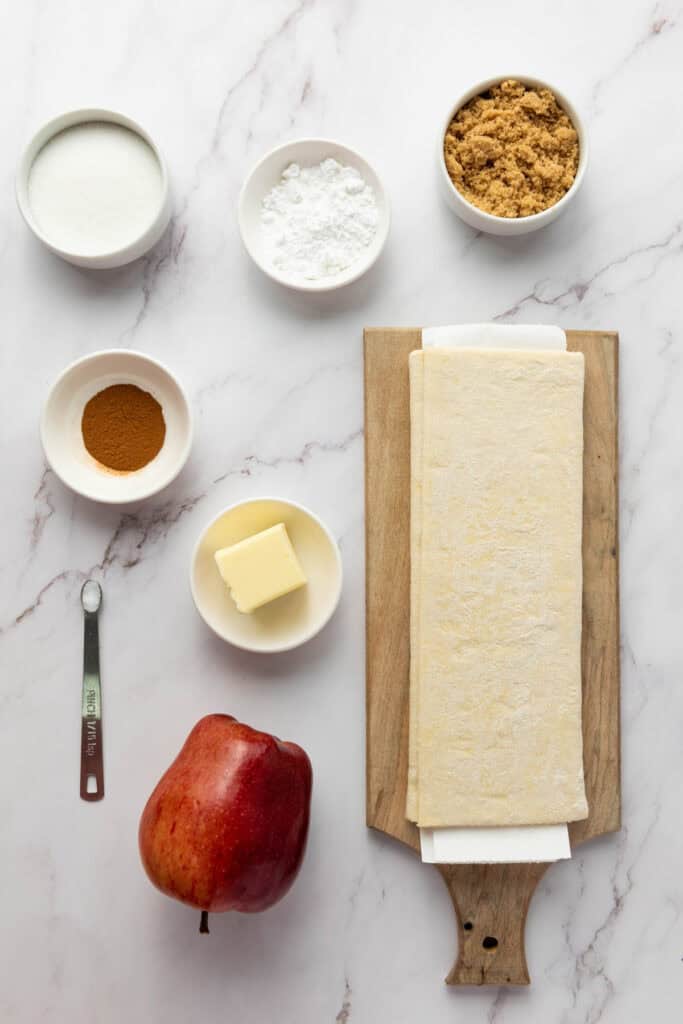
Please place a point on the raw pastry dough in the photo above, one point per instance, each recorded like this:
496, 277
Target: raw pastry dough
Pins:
495, 715
416, 421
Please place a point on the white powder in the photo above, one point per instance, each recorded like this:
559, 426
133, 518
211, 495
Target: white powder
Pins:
318, 220
95, 188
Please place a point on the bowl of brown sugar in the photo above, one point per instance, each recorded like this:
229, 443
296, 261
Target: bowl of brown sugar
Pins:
512, 155
116, 426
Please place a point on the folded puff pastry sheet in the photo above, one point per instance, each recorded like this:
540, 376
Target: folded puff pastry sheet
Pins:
496, 581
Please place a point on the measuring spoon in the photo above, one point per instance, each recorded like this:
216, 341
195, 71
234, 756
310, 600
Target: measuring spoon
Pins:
92, 766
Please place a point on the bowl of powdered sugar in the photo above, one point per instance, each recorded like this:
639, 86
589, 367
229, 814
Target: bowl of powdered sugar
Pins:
313, 215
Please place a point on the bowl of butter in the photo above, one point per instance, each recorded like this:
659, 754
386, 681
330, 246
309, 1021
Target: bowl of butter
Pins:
266, 575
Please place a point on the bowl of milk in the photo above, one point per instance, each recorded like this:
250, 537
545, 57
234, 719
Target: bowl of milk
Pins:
93, 187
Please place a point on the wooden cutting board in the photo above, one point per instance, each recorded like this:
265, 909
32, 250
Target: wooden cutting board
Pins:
490, 901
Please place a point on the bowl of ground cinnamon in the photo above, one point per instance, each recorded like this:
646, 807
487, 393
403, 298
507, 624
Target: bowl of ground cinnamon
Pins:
116, 426
512, 155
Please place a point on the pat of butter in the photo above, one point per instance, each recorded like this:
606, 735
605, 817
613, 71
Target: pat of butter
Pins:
260, 568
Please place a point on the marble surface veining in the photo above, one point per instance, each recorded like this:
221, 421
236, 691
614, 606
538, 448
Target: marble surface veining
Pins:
275, 381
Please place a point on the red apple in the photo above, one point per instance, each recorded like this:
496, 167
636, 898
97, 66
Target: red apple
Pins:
226, 826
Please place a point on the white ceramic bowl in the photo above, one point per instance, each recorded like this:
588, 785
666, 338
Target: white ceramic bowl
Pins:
268, 172
487, 222
290, 620
60, 427
138, 245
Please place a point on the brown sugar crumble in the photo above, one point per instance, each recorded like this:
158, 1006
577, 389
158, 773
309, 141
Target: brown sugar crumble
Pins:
512, 151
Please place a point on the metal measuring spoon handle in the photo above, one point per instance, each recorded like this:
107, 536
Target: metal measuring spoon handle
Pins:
92, 767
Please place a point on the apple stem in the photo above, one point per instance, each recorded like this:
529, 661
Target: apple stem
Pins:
204, 923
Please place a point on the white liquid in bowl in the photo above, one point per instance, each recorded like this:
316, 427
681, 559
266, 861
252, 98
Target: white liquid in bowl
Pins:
94, 188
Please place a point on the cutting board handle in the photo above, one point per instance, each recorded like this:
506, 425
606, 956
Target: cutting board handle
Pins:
491, 903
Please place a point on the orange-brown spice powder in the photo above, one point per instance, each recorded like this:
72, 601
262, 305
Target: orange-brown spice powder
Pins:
123, 427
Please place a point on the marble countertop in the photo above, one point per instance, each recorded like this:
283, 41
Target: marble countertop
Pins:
275, 379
